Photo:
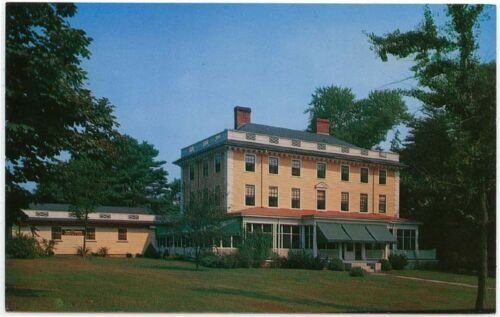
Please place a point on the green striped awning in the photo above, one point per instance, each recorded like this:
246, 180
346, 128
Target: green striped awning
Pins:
333, 232
358, 233
380, 233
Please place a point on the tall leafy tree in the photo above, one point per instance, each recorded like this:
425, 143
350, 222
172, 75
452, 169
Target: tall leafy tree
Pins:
133, 176
451, 78
363, 122
48, 110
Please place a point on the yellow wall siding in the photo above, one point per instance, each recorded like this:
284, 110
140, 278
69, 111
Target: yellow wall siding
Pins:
307, 183
137, 240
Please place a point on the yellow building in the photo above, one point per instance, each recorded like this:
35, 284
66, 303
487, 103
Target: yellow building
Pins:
121, 230
310, 191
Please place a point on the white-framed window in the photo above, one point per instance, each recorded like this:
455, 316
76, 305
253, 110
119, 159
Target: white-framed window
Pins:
217, 162
250, 162
344, 201
273, 196
363, 202
382, 203
321, 170
290, 237
250, 195
344, 172
364, 174
295, 167
273, 165
296, 198
382, 177
321, 200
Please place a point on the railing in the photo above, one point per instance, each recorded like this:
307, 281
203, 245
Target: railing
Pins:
417, 254
374, 254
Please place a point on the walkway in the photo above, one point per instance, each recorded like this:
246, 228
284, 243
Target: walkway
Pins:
432, 281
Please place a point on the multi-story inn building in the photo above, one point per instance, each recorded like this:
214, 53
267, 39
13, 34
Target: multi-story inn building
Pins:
309, 191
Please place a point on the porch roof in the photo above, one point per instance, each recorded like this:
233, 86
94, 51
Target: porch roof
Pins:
333, 232
357, 232
380, 233
328, 214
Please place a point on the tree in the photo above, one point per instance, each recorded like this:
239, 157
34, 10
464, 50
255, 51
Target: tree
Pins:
48, 110
450, 77
133, 177
202, 218
363, 122
136, 177
83, 189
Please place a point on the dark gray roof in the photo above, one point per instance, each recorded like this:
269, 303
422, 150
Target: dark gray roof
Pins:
294, 134
107, 209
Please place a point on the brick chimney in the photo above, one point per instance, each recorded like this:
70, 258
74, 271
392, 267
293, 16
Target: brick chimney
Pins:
241, 116
322, 126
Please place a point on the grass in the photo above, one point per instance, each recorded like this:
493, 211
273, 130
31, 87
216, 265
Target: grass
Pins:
143, 285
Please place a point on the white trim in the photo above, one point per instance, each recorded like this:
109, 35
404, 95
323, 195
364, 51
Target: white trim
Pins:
228, 183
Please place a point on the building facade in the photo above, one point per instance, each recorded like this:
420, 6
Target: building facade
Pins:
309, 191
122, 230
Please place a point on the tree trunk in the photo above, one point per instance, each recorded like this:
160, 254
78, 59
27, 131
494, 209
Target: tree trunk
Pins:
85, 235
483, 253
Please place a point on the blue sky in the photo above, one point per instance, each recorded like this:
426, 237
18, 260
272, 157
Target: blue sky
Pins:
175, 71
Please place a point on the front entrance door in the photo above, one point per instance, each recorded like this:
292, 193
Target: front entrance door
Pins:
357, 251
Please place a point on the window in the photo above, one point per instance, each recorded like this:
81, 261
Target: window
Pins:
321, 199
273, 165
191, 172
364, 175
344, 201
382, 202
264, 228
205, 167
56, 233
406, 239
273, 196
217, 195
382, 177
217, 162
290, 237
363, 203
321, 169
250, 163
90, 234
345, 172
295, 167
309, 230
295, 197
250, 195
122, 234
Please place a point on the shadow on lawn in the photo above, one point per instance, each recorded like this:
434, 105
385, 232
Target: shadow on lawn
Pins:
173, 268
25, 292
283, 299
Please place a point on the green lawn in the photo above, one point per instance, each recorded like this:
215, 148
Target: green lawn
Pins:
443, 276
144, 285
